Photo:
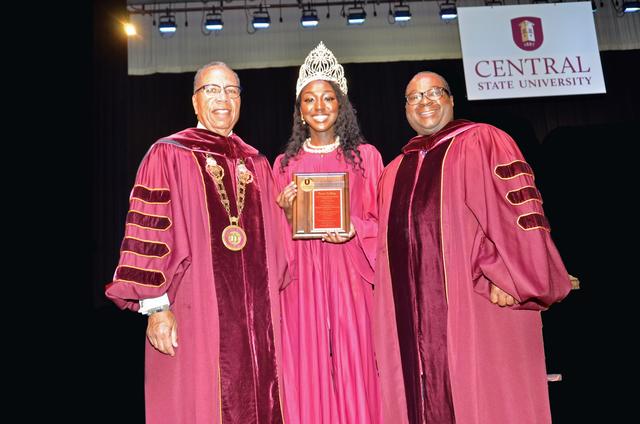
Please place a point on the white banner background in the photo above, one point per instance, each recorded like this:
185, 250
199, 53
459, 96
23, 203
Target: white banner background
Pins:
425, 37
567, 62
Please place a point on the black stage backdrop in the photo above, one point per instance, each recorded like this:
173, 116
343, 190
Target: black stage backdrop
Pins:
577, 145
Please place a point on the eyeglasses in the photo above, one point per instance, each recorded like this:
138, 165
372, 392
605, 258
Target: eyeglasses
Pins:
213, 90
434, 93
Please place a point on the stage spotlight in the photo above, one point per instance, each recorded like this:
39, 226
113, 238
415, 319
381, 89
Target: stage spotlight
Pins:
261, 19
309, 18
129, 29
448, 11
401, 13
356, 16
630, 6
213, 22
167, 25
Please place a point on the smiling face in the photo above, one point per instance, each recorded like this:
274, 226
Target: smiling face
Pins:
219, 113
428, 116
319, 107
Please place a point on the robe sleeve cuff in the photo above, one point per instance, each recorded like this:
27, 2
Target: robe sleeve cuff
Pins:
154, 303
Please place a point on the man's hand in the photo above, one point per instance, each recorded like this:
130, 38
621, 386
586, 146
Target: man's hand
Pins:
501, 297
575, 283
285, 199
336, 238
162, 331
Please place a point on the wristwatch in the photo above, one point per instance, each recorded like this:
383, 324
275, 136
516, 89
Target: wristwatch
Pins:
157, 309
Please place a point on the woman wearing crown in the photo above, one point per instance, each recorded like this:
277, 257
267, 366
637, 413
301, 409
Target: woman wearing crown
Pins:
328, 362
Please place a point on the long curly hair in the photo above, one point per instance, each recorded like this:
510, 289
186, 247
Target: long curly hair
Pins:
346, 127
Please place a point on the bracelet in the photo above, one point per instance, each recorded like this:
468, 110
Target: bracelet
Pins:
158, 309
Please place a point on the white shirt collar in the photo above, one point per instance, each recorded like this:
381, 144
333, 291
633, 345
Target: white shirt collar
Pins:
202, 127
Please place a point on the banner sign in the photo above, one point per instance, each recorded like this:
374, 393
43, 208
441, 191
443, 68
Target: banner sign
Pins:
530, 50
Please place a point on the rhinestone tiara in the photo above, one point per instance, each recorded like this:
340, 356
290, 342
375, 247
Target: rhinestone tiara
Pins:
321, 64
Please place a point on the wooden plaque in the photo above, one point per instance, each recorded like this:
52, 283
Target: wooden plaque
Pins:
321, 205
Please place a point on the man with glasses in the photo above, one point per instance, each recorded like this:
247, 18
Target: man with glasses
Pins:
465, 265
202, 257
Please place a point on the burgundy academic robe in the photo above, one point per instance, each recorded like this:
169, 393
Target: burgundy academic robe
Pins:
488, 226
226, 303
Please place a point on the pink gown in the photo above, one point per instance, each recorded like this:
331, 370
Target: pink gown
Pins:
329, 368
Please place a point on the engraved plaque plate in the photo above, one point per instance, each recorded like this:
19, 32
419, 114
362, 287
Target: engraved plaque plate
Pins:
321, 205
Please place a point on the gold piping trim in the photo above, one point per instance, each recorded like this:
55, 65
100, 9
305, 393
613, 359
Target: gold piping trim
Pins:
148, 214
511, 163
150, 189
444, 259
219, 380
528, 200
151, 203
206, 205
280, 398
386, 238
148, 241
141, 269
532, 228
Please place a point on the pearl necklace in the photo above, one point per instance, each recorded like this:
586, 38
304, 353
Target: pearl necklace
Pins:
310, 148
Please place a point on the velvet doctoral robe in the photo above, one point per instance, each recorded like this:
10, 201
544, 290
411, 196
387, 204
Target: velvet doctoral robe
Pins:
459, 209
226, 302
328, 361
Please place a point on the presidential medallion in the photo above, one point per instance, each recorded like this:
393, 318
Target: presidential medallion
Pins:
233, 237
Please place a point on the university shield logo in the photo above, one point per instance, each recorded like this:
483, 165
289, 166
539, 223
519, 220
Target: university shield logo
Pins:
527, 32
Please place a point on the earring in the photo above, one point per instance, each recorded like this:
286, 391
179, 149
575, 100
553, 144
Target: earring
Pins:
303, 121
